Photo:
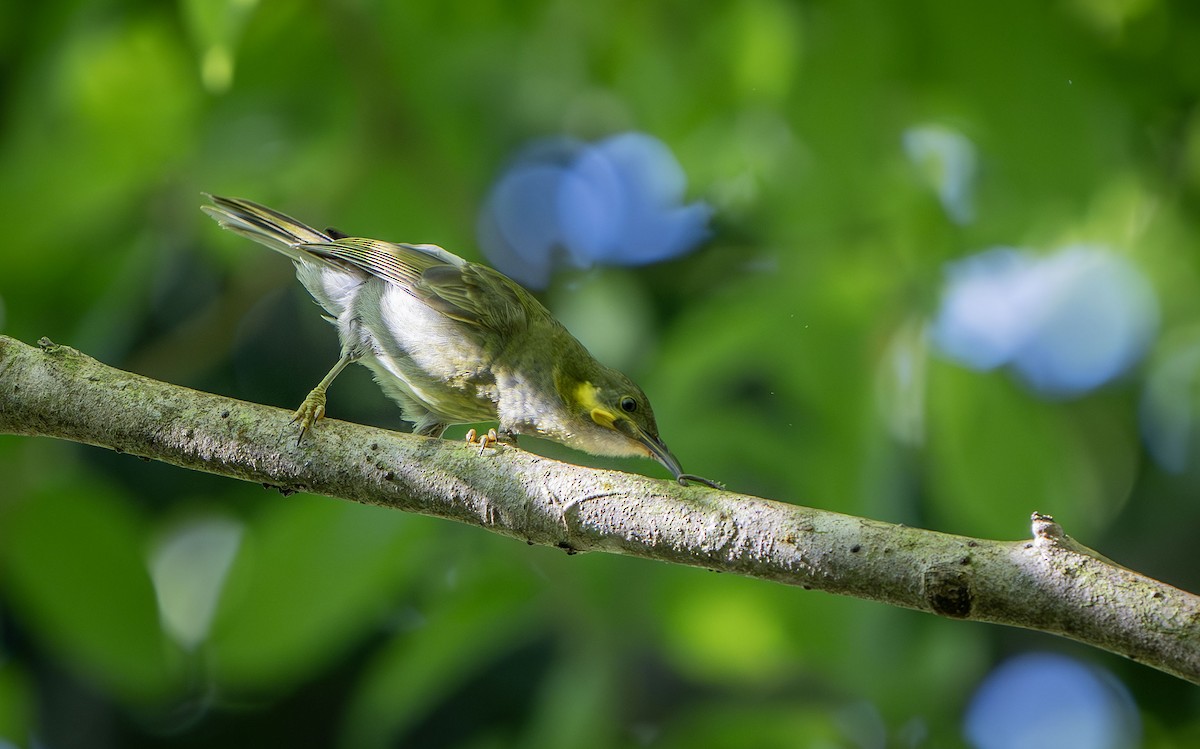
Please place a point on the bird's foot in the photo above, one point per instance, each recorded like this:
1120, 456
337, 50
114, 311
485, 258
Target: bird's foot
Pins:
312, 409
491, 439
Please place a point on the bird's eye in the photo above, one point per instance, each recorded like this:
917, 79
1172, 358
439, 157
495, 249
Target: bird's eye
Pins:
628, 404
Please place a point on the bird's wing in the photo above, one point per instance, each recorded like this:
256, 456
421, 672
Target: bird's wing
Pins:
471, 293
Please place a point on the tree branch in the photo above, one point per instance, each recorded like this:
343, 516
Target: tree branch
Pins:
1049, 583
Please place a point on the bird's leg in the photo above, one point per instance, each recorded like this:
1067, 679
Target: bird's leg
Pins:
313, 407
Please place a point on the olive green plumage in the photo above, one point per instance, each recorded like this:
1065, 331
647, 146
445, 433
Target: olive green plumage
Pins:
453, 341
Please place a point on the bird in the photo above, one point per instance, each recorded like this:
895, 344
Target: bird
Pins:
454, 342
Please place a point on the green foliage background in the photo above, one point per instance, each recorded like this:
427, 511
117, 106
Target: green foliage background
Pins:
142, 605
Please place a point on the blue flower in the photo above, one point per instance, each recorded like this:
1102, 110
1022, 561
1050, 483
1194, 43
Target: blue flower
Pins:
564, 202
1067, 322
1046, 699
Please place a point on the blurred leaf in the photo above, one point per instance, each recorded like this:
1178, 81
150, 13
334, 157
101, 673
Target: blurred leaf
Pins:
189, 565
768, 35
769, 386
749, 636
997, 454
124, 86
579, 698
215, 27
71, 556
911, 655
313, 575
457, 633
787, 725
16, 706
607, 311
729, 633
89, 133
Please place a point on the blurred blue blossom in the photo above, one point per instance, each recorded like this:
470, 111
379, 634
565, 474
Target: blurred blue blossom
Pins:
1051, 700
946, 159
1066, 322
615, 202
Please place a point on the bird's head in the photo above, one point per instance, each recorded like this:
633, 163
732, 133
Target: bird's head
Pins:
612, 416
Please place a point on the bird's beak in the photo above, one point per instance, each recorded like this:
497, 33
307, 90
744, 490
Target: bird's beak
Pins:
653, 445
657, 449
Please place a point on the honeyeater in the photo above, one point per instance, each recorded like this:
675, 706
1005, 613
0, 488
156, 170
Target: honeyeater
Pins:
454, 342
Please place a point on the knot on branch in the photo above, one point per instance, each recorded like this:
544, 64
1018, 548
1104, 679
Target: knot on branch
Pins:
947, 590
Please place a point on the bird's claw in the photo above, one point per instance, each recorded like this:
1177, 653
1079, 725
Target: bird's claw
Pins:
491, 439
311, 410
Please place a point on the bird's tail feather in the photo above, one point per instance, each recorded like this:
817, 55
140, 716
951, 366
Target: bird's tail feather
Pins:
266, 226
